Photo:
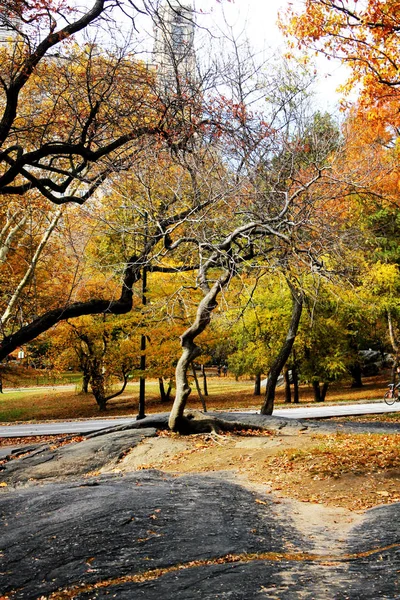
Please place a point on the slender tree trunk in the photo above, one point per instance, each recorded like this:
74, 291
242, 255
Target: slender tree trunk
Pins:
317, 391
288, 394
169, 390
8, 233
295, 377
324, 390
395, 347
320, 392
190, 352
280, 361
163, 395
355, 371
203, 402
31, 268
204, 374
395, 370
257, 385
98, 386
85, 381
99, 390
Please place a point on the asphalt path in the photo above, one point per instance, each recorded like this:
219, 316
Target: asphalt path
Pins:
87, 426
338, 410
48, 388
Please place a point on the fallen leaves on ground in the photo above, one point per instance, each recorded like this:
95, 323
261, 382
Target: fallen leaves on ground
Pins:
354, 471
58, 439
341, 453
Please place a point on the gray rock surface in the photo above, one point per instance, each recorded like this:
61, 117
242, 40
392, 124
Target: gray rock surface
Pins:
110, 529
73, 459
209, 538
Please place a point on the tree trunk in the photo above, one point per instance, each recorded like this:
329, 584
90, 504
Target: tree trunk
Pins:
257, 385
317, 391
31, 268
295, 377
320, 392
85, 381
203, 402
205, 387
9, 232
284, 353
190, 352
355, 372
98, 386
169, 390
163, 395
395, 347
288, 394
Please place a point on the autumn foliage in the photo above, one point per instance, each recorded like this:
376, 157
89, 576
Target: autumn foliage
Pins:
365, 37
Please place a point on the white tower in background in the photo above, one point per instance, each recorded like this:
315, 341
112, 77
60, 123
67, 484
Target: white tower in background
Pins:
173, 51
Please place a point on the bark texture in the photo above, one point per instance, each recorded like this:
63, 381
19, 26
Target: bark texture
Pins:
190, 351
257, 385
284, 353
320, 390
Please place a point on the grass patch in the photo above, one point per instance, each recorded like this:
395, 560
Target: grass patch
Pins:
12, 414
18, 376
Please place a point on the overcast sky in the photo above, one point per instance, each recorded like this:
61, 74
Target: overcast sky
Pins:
259, 18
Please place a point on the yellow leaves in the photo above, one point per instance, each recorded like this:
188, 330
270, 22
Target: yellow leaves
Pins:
383, 280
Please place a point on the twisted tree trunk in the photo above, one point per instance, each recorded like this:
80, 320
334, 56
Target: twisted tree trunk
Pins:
190, 351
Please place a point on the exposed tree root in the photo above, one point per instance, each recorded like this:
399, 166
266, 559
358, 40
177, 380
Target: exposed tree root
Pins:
194, 421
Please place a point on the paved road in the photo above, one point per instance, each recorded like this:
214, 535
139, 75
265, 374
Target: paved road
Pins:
48, 388
342, 410
314, 412
54, 428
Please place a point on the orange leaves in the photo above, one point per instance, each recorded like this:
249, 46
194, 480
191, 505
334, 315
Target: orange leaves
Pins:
364, 36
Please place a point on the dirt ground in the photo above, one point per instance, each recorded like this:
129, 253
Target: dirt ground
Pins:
352, 472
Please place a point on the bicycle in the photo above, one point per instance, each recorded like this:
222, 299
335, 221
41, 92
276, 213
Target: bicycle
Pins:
392, 394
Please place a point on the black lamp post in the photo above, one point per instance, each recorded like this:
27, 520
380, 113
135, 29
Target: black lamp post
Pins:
142, 380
